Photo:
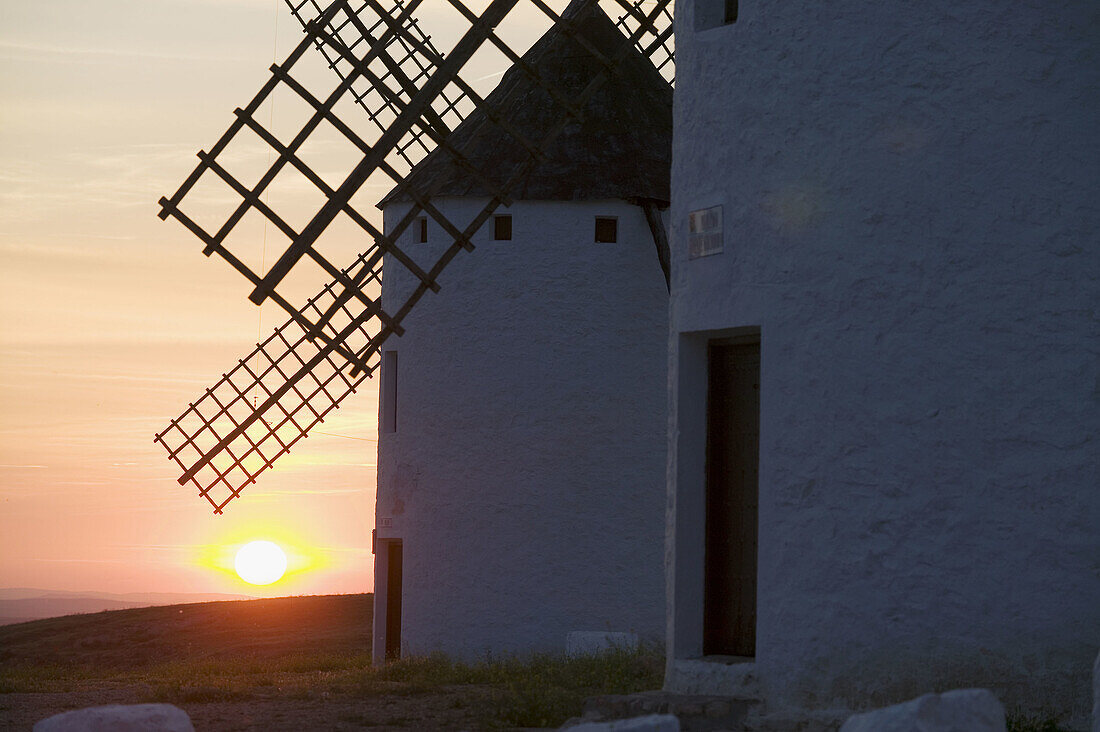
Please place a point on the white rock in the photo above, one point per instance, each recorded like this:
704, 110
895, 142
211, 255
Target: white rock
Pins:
119, 718
651, 723
961, 710
590, 642
1096, 694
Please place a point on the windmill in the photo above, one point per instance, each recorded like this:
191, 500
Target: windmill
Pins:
413, 96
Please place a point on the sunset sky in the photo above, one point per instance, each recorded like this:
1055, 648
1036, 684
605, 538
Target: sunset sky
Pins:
113, 320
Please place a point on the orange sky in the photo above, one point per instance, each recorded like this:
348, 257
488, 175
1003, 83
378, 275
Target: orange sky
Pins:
111, 321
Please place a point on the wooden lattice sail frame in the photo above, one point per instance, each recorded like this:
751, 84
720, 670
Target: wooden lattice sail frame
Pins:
412, 94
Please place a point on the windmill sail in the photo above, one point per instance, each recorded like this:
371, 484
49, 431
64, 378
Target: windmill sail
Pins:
419, 58
331, 342
292, 378
651, 30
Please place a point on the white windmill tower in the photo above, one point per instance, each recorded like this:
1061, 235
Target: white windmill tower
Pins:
883, 372
522, 425
414, 95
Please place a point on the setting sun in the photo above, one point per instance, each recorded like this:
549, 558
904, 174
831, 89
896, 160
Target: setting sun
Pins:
260, 562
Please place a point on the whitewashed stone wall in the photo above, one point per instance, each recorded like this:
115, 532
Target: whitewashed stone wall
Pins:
910, 202
526, 476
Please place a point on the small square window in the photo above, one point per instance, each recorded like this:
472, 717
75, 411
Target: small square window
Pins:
607, 229
422, 229
502, 228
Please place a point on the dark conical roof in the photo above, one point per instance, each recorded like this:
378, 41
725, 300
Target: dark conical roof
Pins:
621, 149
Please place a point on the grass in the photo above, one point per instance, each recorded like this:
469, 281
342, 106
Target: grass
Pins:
541, 690
267, 651
1023, 722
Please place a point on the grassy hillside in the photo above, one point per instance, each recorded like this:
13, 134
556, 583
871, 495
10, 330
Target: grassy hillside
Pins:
22, 604
207, 631
289, 663
297, 663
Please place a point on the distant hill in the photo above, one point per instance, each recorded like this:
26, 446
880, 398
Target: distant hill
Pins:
20, 604
127, 639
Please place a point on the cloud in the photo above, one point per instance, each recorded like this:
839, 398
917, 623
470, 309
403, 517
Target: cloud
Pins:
166, 379
78, 561
346, 437
116, 179
177, 548
273, 493
344, 549
87, 52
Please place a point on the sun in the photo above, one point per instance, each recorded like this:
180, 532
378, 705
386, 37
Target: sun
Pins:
260, 562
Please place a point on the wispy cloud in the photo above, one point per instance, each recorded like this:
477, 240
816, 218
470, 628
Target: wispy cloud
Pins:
306, 492
344, 549
346, 437
168, 379
39, 49
163, 546
23, 467
78, 561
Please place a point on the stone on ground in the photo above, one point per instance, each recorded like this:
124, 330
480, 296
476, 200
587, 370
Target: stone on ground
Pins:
651, 723
119, 718
961, 710
591, 642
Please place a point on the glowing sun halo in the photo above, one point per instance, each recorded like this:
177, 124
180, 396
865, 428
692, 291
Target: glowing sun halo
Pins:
260, 562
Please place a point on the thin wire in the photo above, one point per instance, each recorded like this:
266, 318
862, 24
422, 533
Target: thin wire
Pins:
267, 192
346, 437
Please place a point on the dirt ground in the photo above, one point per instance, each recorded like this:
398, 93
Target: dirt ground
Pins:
451, 709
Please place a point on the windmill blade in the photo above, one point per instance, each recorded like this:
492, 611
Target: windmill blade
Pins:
292, 379
218, 442
419, 60
655, 40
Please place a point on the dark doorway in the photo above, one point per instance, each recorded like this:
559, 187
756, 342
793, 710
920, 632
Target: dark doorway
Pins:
393, 600
733, 446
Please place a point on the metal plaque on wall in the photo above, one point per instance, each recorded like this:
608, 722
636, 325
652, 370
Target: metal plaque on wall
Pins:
705, 232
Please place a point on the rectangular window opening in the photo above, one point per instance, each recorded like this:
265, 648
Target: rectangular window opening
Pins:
502, 227
393, 600
607, 229
715, 13
389, 391
422, 229
731, 12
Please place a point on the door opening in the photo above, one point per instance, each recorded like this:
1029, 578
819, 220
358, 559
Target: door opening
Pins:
732, 490
393, 600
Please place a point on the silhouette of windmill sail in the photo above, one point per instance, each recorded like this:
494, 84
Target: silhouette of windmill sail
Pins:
420, 57
291, 369
409, 91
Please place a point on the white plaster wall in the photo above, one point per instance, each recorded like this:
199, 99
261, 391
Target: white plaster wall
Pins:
526, 476
910, 202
